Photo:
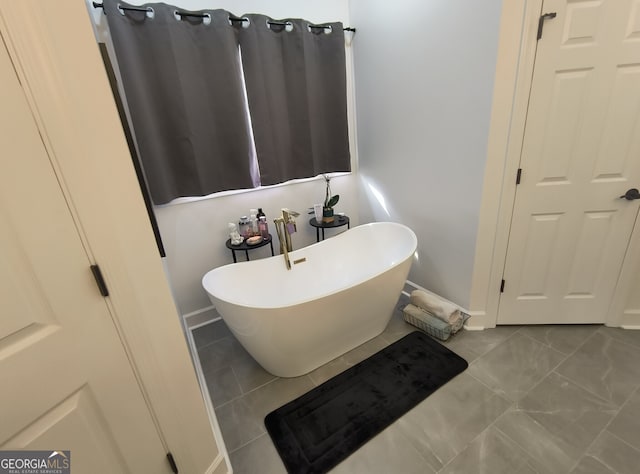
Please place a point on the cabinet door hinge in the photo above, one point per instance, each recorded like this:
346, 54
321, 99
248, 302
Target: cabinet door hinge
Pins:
172, 463
518, 176
502, 287
541, 22
102, 285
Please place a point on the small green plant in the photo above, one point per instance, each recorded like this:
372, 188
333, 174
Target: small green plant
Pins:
329, 200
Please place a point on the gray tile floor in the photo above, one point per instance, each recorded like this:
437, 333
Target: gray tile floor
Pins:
546, 399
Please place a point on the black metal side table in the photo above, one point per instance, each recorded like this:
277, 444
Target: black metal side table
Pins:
244, 246
338, 221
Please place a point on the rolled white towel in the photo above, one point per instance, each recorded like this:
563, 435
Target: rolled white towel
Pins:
447, 312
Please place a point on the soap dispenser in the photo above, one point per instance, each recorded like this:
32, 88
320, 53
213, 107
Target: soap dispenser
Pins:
264, 227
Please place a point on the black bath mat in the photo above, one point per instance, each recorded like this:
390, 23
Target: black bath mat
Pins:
316, 431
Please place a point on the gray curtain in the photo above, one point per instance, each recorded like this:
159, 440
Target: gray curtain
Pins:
184, 92
184, 88
296, 88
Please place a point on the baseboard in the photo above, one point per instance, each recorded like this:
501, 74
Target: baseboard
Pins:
198, 311
478, 321
219, 466
200, 317
627, 319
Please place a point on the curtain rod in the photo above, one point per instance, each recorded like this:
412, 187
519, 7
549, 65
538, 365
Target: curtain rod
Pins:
203, 15
148, 9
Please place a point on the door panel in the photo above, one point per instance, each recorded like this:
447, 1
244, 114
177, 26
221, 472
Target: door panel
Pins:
632, 31
582, 23
581, 151
587, 262
79, 413
567, 106
67, 381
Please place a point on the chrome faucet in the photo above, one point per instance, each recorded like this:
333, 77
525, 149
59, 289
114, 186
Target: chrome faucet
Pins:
285, 226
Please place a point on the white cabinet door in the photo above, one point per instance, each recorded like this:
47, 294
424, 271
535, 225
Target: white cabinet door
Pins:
581, 152
67, 383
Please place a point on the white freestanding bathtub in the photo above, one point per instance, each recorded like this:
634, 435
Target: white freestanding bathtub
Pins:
340, 296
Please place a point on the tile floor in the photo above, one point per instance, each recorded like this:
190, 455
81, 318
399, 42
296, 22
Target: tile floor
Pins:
535, 399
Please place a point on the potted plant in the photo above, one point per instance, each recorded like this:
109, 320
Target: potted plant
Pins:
329, 201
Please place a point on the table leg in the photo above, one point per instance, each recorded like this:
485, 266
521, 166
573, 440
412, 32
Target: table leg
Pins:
323, 233
317, 234
246, 252
233, 252
271, 244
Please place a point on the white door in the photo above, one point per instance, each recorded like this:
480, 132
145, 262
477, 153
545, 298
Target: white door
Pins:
67, 383
581, 152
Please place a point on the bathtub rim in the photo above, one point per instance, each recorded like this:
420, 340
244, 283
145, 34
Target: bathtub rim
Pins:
414, 245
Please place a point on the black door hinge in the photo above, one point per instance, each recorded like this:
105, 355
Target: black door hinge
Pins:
541, 22
172, 463
502, 287
102, 285
518, 175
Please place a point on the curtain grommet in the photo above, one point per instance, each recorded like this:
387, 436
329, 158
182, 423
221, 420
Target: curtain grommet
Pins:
244, 21
205, 18
327, 29
288, 26
149, 12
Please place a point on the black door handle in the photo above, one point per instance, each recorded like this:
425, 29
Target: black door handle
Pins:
631, 194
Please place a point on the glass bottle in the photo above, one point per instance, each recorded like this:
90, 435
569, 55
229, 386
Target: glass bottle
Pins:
264, 227
254, 225
244, 227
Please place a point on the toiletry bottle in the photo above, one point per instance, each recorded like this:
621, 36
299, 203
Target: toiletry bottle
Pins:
260, 213
253, 220
244, 227
254, 225
264, 227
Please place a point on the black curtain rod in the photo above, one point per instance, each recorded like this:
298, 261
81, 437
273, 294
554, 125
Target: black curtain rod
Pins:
148, 9
323, 27
194, 15
204, 15
279, 23
133, 9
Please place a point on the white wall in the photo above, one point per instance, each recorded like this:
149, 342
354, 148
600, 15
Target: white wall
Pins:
424, 73
194, 233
